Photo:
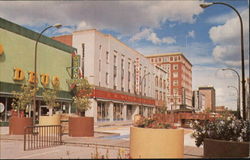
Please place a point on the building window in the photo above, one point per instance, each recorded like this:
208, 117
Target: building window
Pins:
152, 60
175, 66
175, 74
156, 81
175, 83
164, 96
107, 57
117, 112
171, 58
175, 58
160, 82
159, 59
156, 94
175, 91
164, 84
115, 60
165, 59
107, 78
100, 64
102, 111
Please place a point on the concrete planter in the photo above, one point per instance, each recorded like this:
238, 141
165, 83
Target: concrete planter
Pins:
156, 143
50, 120
225, 149
81, 126
18, 124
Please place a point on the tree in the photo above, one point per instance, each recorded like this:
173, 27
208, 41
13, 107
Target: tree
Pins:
82, 91
23, 98
49, 97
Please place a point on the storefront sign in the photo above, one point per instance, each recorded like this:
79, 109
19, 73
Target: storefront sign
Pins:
137, 75
121, 97
44, 79
55, 81
75, 66
19, 75
1, 50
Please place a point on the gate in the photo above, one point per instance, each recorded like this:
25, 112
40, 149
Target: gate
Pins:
37, 137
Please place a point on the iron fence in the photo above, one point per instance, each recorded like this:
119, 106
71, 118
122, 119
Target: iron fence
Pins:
37, 137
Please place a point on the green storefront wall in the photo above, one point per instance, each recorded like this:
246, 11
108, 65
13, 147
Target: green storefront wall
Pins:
19, 45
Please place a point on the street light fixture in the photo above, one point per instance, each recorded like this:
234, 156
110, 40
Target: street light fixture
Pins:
141, 86
205, 5
238, 102
35, 68
237, 96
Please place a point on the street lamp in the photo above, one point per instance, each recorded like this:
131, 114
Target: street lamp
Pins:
238, 102
35, 68
141, 86
205, 5
237, 96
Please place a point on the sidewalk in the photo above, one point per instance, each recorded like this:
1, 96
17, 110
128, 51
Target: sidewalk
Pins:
80, 147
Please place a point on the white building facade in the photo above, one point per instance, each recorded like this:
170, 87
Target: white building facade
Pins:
125, 82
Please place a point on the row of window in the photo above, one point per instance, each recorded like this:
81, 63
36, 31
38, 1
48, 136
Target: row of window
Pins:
159, 95
166, 59
159, 82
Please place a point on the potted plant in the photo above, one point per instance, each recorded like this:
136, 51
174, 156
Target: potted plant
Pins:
151, 138
81, 126
22, 100
49, 97
223, 137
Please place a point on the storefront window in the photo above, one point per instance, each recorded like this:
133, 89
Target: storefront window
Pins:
129, 112
102, 111
117, 112
150, 111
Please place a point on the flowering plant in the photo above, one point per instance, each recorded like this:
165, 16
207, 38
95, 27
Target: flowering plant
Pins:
152, 123
229, 129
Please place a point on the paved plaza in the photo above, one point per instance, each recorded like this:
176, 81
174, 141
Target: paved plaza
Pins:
108, 141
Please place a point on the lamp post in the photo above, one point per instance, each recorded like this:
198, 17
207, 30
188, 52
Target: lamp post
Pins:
237, 96
141, 86
205, 5
35, 68
238, 102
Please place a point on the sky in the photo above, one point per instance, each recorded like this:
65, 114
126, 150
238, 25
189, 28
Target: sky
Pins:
209, 38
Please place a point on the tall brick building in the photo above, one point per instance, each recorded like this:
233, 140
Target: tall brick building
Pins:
210, 100
180, 77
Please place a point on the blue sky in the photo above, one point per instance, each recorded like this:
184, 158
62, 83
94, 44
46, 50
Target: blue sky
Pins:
209, 37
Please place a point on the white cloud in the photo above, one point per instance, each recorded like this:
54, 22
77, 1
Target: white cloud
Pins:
65, 30
191, 34
150, 35
124, 17
168, 40
83, 25
226, 37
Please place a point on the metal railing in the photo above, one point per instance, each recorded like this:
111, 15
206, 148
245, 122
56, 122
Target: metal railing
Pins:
37, 137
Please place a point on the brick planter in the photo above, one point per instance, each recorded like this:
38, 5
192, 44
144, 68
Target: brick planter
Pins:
18, 124
225, 149
81, 126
